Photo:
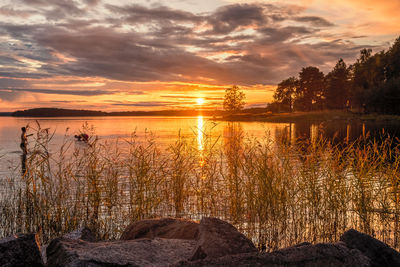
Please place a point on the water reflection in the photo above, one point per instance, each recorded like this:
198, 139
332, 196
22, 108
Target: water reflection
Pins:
348, 131
338, 132
200, 140
200, 133
166, 130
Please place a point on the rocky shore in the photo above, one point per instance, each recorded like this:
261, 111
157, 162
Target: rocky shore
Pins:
176, 242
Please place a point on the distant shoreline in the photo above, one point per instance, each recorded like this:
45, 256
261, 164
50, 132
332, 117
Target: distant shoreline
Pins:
56, 112
247, 115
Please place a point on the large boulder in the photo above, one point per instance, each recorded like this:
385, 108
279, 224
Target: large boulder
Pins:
379, 253
164, 228
327, 255
218, 238
20, 250
83, 233
139, 252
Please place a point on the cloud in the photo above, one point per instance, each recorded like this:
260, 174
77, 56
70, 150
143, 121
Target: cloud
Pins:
92, 2
59, 92
68, 101
141, 14
56, 9
244, 44
144, 104
275, 35
191, 97
228, 18
9, 95
315, 21
11, 12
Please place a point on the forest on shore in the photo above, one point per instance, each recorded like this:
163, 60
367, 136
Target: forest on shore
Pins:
371, 84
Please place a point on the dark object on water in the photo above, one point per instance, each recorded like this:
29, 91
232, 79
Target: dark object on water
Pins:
24, 141
82, 137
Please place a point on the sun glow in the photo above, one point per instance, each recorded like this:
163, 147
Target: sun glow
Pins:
200, 101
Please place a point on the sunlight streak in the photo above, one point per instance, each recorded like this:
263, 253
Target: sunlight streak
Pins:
200, 140
200, 137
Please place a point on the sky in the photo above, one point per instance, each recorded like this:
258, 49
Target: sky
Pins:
154, 55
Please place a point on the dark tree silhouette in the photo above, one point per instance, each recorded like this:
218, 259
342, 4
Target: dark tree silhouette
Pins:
372, 84
284, 94
393, 61
309, 93
337, 86
368, 76
234, 99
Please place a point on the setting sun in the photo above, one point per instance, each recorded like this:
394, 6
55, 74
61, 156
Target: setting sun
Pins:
200, 101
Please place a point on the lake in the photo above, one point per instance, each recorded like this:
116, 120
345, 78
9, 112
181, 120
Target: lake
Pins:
276, 182
167, 129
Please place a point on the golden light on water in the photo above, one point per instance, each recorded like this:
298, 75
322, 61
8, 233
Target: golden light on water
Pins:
200, 137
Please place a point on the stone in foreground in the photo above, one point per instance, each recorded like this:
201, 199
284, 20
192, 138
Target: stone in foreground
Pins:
164, 228
20, 250
139, 252
327, 255
379, 253
83, 233
218, 238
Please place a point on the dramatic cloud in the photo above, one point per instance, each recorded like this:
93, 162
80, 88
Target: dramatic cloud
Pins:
141, 14
315, 21
59, 92
62, 47
228, 18
11, 12
145, 104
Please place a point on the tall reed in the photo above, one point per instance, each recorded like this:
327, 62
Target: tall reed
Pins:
278, 192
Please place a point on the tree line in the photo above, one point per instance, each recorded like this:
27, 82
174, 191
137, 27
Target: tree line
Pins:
371, 84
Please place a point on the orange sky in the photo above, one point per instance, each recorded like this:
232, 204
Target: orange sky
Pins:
152, 55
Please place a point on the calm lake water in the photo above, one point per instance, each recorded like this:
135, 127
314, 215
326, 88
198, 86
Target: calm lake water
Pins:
166, 130
278, 197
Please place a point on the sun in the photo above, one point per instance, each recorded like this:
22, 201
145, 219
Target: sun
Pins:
200, 101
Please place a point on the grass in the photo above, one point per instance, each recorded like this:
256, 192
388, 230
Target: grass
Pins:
276, 192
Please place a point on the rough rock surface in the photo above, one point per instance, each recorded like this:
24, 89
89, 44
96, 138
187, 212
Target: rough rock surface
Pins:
20, 250
379, 253
139, 252
83, 233
164, 228
218, 238
336, 254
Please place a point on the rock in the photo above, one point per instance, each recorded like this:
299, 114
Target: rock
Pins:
20, 250
83, 233
379, 253
301, 244
138, 252
163, 228
218, 238
336, 254
43, 249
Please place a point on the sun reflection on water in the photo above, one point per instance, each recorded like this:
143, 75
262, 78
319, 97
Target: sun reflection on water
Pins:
200, 139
